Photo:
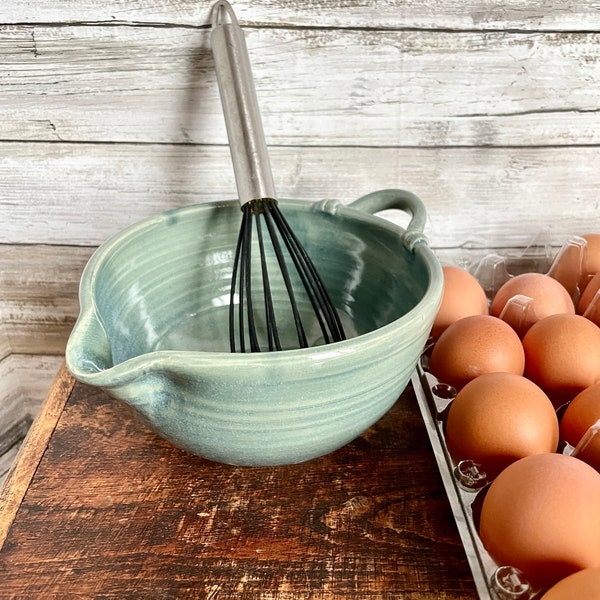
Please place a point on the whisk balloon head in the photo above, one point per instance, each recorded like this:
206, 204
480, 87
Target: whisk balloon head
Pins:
265, 306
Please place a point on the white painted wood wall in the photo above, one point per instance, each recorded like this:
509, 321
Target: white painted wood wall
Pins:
109, 112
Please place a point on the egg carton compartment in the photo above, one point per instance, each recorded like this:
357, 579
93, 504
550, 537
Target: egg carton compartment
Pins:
568, 265
465, 483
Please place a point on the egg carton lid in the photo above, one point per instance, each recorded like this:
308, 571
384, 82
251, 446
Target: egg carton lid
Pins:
568, 265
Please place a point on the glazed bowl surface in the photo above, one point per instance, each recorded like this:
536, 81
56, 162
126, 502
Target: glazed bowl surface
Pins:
153, 329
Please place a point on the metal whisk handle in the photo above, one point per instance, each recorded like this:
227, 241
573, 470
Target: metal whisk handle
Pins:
247, 143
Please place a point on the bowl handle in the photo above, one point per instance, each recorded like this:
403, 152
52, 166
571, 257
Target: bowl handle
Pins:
402, 200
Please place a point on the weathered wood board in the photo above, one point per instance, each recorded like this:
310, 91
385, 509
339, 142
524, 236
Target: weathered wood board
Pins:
316, 86
24, 381
105, 509
489, 111
554, 15
494, 197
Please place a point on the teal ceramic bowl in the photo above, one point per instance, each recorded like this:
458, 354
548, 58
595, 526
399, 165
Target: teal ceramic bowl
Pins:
153, 329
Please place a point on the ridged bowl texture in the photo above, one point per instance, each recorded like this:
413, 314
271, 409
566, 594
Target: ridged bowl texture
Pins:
153, 329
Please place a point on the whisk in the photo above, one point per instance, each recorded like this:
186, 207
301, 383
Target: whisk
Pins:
254, 314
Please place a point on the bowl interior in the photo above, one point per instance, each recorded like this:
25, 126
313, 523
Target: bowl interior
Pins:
165, 283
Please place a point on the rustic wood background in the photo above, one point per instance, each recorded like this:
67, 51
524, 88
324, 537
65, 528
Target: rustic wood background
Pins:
489, 111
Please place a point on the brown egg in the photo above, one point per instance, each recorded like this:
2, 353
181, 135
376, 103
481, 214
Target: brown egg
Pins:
562, 355
463, 296
542, 516
583, 585
498, 418
592, 252
548, 295
473, 346
592, 312
582, 413
591, 289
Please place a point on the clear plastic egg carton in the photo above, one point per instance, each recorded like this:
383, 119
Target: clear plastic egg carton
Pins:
465, 483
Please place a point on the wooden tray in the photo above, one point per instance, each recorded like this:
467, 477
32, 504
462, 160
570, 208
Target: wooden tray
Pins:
97, 506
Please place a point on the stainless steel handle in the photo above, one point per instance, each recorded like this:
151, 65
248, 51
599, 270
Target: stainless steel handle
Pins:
247, 143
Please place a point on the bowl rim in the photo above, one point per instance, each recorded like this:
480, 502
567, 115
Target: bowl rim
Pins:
179, 360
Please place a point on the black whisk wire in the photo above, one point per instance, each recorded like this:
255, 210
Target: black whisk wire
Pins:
270, 207
280, 236
270, 319
327, 316
236, 295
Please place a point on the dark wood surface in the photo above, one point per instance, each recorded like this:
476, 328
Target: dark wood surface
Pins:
98, 506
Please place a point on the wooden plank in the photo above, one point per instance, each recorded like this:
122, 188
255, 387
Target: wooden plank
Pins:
115, 512
4, 343
38, 296
25, 381
470, 14
348, 87
11, 407
32, 451
6, 462
30, 272
41, 330
491, 197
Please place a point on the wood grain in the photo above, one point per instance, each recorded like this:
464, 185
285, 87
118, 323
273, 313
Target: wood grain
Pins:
553, 15
23, 470
5, 349
26, 379
112, 512
371, 87
39, 285
491, 197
